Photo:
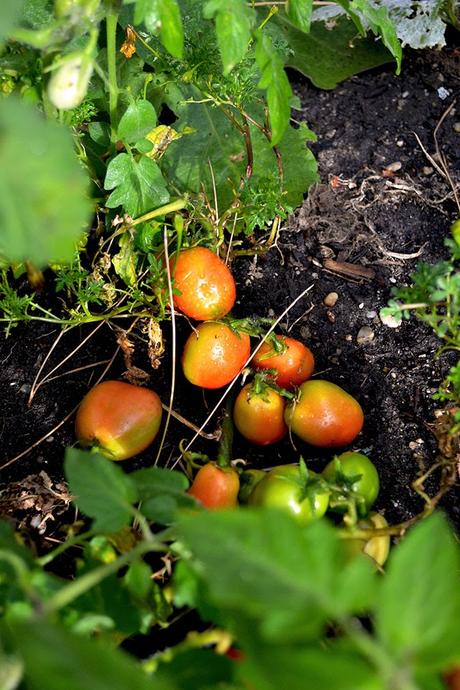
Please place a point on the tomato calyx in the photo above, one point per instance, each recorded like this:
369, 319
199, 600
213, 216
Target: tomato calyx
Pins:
263, 381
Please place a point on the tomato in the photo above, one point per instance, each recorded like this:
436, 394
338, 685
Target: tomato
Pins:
120, 419
324, 415
248, 481
206, 286
376, 548
214, 354
284, 488
350, 465
259, 415
216, 487
293, 366
452, 678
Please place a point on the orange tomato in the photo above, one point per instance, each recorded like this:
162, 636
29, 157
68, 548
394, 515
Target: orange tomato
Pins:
293, 366
205, 285
324, 415
259, 416
216, 487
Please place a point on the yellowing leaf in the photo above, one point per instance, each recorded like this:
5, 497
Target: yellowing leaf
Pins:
160, 137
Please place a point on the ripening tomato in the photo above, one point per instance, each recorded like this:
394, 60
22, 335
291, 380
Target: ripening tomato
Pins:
119, 419
283, 488
363, 478
205, 285
452, 678
324, 415
376, 548
259, 415
293, 366
216, 487
214, 354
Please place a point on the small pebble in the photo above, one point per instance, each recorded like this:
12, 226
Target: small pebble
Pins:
400, 143
394, 167
427, 170
361, 305
365, 335
371, 314
331, 299
443, 93
456, 127
330, 316
349, 338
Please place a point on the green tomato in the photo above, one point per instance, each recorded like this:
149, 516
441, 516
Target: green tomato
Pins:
365, 487
283, 487
248, 481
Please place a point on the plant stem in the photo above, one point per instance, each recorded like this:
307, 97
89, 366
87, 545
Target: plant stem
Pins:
224, 454
111, 32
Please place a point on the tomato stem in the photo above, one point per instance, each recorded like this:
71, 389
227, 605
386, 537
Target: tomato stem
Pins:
224, 453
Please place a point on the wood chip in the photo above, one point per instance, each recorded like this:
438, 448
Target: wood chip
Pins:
349, 270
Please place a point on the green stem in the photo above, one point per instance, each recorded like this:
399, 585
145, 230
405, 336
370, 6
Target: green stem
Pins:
224, 454
91, 579
72, 541
111, 32
172, 207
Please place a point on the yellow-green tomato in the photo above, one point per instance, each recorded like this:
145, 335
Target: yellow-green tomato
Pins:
376, 548
284, 488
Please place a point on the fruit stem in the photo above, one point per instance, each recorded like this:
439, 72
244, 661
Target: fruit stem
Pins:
224, 453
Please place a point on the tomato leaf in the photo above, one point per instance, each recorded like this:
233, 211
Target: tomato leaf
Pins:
261, 564
380, 23
48, 179
270, 667
233, 28
418, 611
125, 260
101, 489
163, 17
299, 13
138, 184
275, 82
10, 13
197, 669
137, 121
162, 493
58, 660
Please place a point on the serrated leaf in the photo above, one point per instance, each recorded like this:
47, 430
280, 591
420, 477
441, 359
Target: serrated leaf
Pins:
138, 184
100, 488
233, 28
163, 16
137, 121
262, 565
380, 23
327, 62
39, 166
58, 660
162, 493
299, 13
419, 606
275, 82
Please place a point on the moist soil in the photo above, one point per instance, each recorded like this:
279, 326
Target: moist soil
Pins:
381, 206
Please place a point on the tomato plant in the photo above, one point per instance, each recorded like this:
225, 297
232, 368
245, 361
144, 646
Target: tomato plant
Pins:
376, 547
356, 474
258, 414
214, 354
324, 415
216, 487
205, 288
120, 419
285, 487
292, 361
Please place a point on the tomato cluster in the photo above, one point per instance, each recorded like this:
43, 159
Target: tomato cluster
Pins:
121, 420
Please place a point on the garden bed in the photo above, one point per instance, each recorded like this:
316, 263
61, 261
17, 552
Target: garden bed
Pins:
381, 207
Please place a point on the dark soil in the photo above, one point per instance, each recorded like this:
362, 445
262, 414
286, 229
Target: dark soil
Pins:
359, 215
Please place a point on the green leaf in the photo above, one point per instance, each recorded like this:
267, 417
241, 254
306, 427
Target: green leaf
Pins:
138, 579
101, 489
197, 669
380, 23
39, 166
162, 493
270, 667
262, 565
124, 261
275, 82
10, 13
418, 611
164, 16
137, 121
58, 660
299, 13
99, 133
327, 62
233, 28
138, 184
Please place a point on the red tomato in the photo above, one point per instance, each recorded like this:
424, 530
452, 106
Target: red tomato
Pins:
206, 286
120, 419
259, 416
325, 415
216, 487
294, 366
214, 354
